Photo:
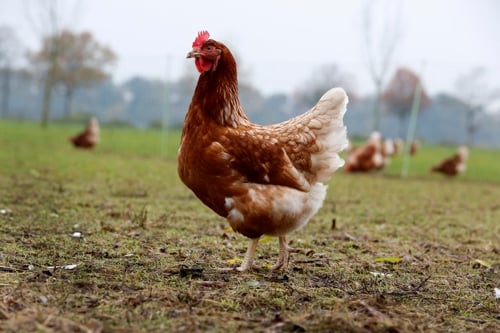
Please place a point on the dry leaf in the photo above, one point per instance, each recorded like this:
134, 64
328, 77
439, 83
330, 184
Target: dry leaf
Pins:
391, 260
265, 239
235, 260
478, 263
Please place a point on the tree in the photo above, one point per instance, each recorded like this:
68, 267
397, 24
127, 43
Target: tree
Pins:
474, 92
81, 61
321, 80
9, 49
180, 93
399, 95
381, 40
275, 108
251, 98
146, 100
47, 18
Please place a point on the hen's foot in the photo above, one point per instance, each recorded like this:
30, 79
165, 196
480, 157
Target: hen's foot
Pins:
285, 250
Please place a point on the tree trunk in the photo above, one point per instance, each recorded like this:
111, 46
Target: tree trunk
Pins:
68, 100
402, 122
47, 100
376, 107
5, 91
47, 89
470, 127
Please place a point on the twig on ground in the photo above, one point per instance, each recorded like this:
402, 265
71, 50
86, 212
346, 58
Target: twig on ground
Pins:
411, 291
8, 269
473, 320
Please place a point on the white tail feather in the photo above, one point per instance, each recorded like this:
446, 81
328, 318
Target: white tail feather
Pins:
331, 135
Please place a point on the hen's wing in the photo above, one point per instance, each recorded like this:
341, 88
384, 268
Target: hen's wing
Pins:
313, 140
295, 153
259, 157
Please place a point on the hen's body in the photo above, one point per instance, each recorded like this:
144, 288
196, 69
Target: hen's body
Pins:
266, 180
88, 138
454, 165
368, 157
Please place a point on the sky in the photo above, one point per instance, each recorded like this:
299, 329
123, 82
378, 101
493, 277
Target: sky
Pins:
281, 43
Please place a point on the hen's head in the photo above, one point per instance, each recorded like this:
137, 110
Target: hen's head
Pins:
207, 52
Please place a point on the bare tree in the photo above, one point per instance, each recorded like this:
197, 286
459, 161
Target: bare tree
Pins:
9, 50
400, 93
81, 61
473, 90
381, 32
321, 80
47, 19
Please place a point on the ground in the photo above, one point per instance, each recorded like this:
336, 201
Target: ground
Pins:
109, 240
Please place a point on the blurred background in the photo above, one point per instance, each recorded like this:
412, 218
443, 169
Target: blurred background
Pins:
124, 62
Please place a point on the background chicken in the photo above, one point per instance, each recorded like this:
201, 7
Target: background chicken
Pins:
454, 165
89, 137
374, 154
367, 157
265, 180
415, 144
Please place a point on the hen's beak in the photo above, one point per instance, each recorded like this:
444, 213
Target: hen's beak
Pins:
193, 54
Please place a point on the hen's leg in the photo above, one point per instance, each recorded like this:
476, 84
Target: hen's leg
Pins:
247, 261
282, 262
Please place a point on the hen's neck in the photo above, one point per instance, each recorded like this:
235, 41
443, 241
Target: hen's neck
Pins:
217, 95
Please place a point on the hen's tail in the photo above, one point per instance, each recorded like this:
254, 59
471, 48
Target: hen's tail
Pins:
313, 139
326, 122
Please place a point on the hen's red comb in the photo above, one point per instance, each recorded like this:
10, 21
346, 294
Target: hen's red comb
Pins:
201, 38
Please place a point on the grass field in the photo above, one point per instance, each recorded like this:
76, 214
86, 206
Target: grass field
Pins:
384, 254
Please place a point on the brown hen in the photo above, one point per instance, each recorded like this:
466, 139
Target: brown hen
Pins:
89, 137
265, 180
368, 157
455, 164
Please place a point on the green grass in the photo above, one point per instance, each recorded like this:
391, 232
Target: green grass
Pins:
151, 257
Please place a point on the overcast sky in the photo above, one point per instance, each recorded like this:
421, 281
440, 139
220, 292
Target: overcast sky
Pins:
280, 43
